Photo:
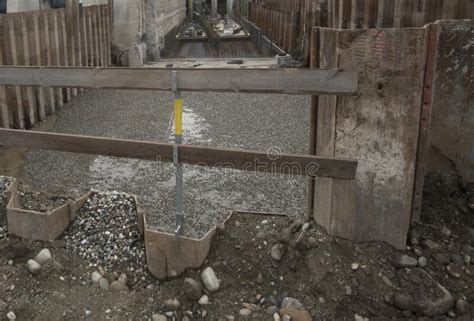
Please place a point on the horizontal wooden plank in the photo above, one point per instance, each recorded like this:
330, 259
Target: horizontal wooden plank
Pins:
307, 165
284, 81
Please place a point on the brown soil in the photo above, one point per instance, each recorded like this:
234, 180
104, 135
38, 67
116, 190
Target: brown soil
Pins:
315, 269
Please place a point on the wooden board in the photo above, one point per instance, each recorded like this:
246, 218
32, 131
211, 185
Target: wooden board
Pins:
333, 198
287, 81
380, 126
243, 160
425, 120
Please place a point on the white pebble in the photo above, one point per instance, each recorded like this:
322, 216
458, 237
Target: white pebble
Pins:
33, 266
95, 277
204, 300
11, 316
43, 257
210, 280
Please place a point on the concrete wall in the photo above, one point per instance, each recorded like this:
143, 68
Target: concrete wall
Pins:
161, 16
140, 27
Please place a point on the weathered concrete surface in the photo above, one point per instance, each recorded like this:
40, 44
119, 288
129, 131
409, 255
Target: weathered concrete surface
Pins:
161, 16
380, 127
140, 27
452, 122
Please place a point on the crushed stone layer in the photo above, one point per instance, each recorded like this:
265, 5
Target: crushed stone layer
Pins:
273, 123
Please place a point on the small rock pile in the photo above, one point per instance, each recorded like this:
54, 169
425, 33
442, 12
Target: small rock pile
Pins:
5, 183
40, 201
194, 291
35, 265
110, 281
105, 232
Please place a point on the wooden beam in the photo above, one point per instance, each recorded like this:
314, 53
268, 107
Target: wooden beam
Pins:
284, 81
305, 165
39, 62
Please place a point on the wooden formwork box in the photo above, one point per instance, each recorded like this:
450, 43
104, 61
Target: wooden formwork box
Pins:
167, 255
32, 225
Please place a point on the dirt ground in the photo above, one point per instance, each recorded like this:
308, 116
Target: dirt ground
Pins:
332, 278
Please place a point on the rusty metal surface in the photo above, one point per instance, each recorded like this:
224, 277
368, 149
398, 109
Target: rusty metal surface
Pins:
452, 123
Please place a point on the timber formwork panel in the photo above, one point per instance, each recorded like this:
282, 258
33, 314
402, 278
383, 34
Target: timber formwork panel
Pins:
379, 128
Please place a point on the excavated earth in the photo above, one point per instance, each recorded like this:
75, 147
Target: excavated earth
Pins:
267, 264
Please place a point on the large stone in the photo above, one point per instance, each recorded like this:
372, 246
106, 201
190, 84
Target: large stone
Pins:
291, 303
159, 317
277, 251
404, 302
405, 261
43, 257
95, 277
104, 284
172, 305
245, 312
429, 244
192, 289
210, 280
118, 286
296, 314
33, 266
442, 258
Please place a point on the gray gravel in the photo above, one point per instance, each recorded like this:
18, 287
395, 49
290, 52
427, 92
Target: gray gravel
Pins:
240, 121
5, 182
105, 232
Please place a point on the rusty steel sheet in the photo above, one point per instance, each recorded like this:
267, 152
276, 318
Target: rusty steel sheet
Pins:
452, 119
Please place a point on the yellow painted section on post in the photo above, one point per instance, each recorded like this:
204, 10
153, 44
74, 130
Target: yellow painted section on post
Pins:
178, 116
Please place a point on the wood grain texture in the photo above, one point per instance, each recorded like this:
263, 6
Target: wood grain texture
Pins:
243, 160
287, 81
380, 127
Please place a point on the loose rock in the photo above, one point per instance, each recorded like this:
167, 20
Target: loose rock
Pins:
296, 314
43, 257
204, 300
245, 312
429, 244
104, 284
95, 277
33, 266
210, 280
159, 317
172, 305
192, 289
291, 303
277, 251
422, 261
11, 316
117, 286
406, 261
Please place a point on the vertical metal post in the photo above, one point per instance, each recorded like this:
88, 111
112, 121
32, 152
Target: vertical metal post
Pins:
178, 125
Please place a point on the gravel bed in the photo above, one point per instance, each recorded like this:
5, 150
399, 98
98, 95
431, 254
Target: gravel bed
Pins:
5, 182
40, 201
239, 121
105, 232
